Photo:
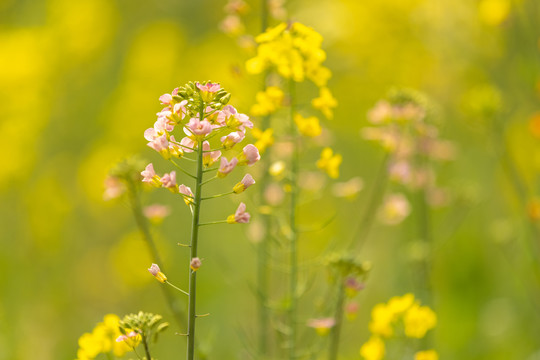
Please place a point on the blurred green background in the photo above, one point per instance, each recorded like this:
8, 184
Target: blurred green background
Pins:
79, 84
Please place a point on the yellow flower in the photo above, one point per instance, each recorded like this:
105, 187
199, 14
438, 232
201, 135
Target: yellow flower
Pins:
373, 349
268, 101
418, 320
308, 126
493, 12
330, 162
102, 340
399, 304
382, 318
426, 355
325, 102
264, 138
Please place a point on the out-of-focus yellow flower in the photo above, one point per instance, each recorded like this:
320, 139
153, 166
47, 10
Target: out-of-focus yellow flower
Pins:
399, 304
294, 51
277, 169
426, 355
373, 349
325, 102
309, 126
268, 101
418, 320
381, 320
493, 12
264, 138
102, 340
534, 125
329, 162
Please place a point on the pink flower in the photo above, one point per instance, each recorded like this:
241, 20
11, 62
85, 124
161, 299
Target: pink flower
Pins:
226, 113
180, 109
149, 176
395, 209
169, 181
188, 195
322, 326
250, 155
200, 128
209, 157
195, 264
166, 99
161, 145
351, 310
240, 216
353, 286
226, 166
232, 139
209, 87
187, 143
246, 182
174, 148
163, 123
156, 213
113, 188
154, 269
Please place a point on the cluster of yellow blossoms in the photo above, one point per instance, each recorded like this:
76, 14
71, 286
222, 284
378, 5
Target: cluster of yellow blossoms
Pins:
403, 310
102, 340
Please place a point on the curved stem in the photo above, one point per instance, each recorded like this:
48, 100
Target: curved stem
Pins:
194, 240
177, 288
182, 170
214, 222
207, 181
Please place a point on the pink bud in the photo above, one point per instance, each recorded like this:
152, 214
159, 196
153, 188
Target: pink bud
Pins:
226, 166
251, 154
154, 269
166, 99
148, 173
169, 180
233, 138
195, 264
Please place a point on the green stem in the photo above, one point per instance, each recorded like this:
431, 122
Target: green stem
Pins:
177, 288
194, 240
142, 224
207, 181
216, 196
213, 223
294, 232
182, 170
146, 348
364, 226
338, 317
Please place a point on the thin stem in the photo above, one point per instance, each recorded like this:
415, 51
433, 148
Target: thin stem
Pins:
207, 181
144, 228
136, 353
194, 240
211, 169
177, 288
146, 348
217, 196
338, 317
293, 280
182, 170
213, 223
364, 226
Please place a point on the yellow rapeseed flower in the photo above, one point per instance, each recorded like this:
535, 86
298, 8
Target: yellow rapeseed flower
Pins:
373, 349
493, 12
418, 320
399, 304
102, 340
308, 126
325, 102
426, 355
382, 318
264, 138
268, 101
330, 163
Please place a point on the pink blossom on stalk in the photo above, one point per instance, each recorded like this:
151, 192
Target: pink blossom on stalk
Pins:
169, 181
250, 155
226, 166
200, 128
322, 326
240, 216
187, 193
353, 286
166, 99
351, 311
154, 269
156, 213
394, 209
232, 139
161, 145
246, 182
180, 109
195, 264
187, 143
113, 188
227, 112
163, 123
128, 336
209, 157
149, 176
209, 87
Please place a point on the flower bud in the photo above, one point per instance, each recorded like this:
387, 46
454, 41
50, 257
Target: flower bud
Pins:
195, 264
154, 270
